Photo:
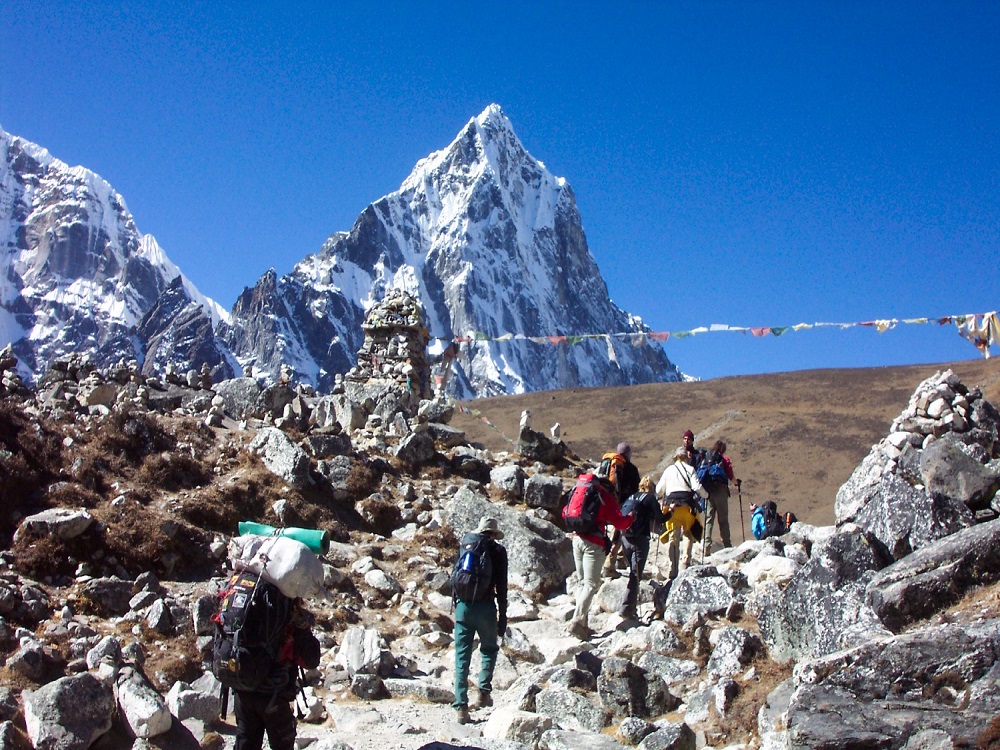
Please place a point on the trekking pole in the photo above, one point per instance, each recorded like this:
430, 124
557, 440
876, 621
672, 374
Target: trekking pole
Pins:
739, 492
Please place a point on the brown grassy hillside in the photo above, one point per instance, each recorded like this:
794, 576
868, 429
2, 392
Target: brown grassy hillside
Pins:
793, 437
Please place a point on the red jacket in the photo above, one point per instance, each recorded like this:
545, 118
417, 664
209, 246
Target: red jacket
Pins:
610, 513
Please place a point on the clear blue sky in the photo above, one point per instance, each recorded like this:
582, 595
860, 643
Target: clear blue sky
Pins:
743, 163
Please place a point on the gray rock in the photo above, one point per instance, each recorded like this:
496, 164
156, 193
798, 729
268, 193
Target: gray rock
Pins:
109, 596
697, 592
540, 553
364, 651
633, 730
108, 647
368, 687
556, 739
537, 447
518, 726
241, 397
880, 693
936, 576
321, 446
69, 713
436, 411
949, 472
735, 649
670, 736
399, 688
627, 689
543, 491
281, 456
445, 435
571, 710
823, 609
158, 618
142, 709
509, 480
9, 708
61, 523
185, 702
416, 449
668, 668
29, 661
336, 471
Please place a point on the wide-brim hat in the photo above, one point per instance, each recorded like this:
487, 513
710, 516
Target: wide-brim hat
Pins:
489, 526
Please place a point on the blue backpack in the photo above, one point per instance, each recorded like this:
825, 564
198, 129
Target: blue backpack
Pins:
766, 522
712, 471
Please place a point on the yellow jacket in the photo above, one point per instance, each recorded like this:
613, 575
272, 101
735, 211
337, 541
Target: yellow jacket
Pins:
685, 518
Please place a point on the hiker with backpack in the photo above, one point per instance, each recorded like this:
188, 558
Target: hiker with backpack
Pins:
679, 490
765, 521
645, 509
715, 473
479, 593
592, 507
624, 477
263, 639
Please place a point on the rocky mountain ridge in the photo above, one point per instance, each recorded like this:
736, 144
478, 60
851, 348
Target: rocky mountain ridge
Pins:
881, 630
481, 232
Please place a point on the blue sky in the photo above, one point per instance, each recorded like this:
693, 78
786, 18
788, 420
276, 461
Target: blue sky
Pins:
752, 164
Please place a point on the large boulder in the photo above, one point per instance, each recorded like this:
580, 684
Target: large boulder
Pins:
936, 576
923, 480
69, 713
571, 710
539, 552
143, 710
823, 608
881, 693
543, 491
948, 471
627, 689
241, 397
282, 456
61, 523
536, 447
698, 592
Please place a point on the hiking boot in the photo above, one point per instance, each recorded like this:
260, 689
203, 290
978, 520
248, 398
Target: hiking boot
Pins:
463, 715
485, 699
577, 629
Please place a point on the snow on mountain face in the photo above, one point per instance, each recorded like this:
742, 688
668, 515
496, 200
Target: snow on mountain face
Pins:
75, 273
491, 242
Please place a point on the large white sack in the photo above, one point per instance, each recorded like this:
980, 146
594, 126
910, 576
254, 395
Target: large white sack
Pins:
290, 565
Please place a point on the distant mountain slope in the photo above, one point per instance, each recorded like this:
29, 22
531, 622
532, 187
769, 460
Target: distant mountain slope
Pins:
491, 242
75, 273
793, 437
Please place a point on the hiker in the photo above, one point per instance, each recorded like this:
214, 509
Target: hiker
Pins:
626, 482
593, 507
765, 521
715, 473
678, 490
694, 455
479, 587
645, 508
268, 709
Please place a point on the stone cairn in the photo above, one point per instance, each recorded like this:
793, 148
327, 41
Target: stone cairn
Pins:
395, 347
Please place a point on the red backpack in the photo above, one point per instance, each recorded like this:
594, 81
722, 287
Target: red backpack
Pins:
584, 505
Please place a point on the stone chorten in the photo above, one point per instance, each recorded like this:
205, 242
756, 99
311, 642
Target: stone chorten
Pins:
395, 347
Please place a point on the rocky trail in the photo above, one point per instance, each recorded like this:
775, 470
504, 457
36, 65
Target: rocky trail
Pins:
121, 494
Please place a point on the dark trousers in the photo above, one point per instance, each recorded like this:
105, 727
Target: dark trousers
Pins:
253, 719
636, 552
472, 618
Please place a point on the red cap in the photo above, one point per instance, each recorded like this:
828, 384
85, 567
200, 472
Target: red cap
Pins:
689, 434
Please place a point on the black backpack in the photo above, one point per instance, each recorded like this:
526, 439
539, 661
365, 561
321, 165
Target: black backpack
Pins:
580, 513
252, 628
472, 574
